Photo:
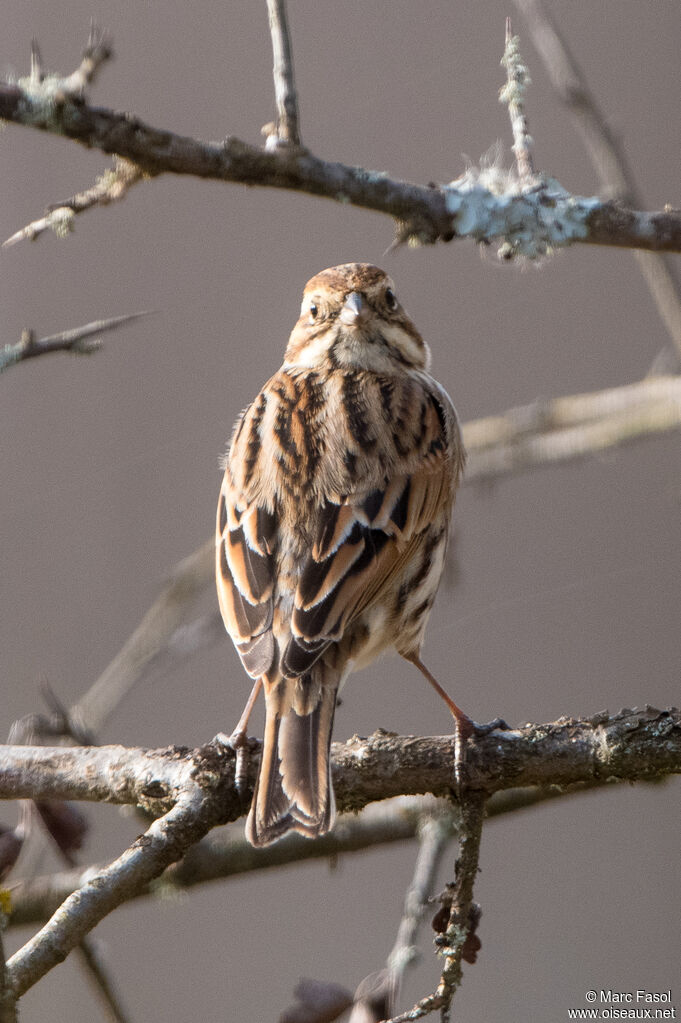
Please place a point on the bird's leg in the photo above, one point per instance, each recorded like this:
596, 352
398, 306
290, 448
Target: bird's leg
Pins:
464, 726
237, 740
463, 722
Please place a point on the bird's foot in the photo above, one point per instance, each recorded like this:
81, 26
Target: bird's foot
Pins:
238, 742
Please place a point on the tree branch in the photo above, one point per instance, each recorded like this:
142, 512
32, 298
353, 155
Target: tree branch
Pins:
485, 205
195, 790
230, 855
164, 842
78, 341
634, 745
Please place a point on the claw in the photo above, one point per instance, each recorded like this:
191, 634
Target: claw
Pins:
498, 724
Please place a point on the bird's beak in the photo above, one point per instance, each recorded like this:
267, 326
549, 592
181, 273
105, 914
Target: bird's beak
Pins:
355, 310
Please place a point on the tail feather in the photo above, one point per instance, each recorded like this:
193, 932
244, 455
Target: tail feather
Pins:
293, 791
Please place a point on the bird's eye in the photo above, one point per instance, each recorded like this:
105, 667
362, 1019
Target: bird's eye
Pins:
313, 311
390, 299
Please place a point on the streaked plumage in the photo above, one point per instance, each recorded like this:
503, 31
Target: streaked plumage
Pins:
332, 525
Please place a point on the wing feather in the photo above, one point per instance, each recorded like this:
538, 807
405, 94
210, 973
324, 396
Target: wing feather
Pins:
245, 548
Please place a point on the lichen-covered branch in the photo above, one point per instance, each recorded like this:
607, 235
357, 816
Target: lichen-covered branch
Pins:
531, 219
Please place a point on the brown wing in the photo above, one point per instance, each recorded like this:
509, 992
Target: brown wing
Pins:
245, 544
363, 539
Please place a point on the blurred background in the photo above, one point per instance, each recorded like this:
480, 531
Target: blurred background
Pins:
567, 579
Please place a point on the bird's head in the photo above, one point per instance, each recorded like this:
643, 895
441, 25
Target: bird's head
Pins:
351, 319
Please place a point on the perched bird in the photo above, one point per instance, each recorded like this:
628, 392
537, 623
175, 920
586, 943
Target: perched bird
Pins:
332, 528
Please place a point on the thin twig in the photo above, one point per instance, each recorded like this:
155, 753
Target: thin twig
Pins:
163, 633
435, 834
460, 898
78, 341
288, 129
606, 151
456, 935
377, 994
112, 186
90, 954
8, 1002
564, 429
513, 94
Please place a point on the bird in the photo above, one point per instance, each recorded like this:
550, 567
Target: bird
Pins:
332, 529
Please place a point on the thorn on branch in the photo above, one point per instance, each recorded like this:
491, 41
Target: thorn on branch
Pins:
36, 72
48, 88
97, 52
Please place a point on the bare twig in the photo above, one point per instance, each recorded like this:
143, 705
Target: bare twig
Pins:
531, 221
606, 151
8, 1002
79, 341
111, 186
287, 127
163, 635
91, 957
435, 833
563, 429
513, 94
458, 928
